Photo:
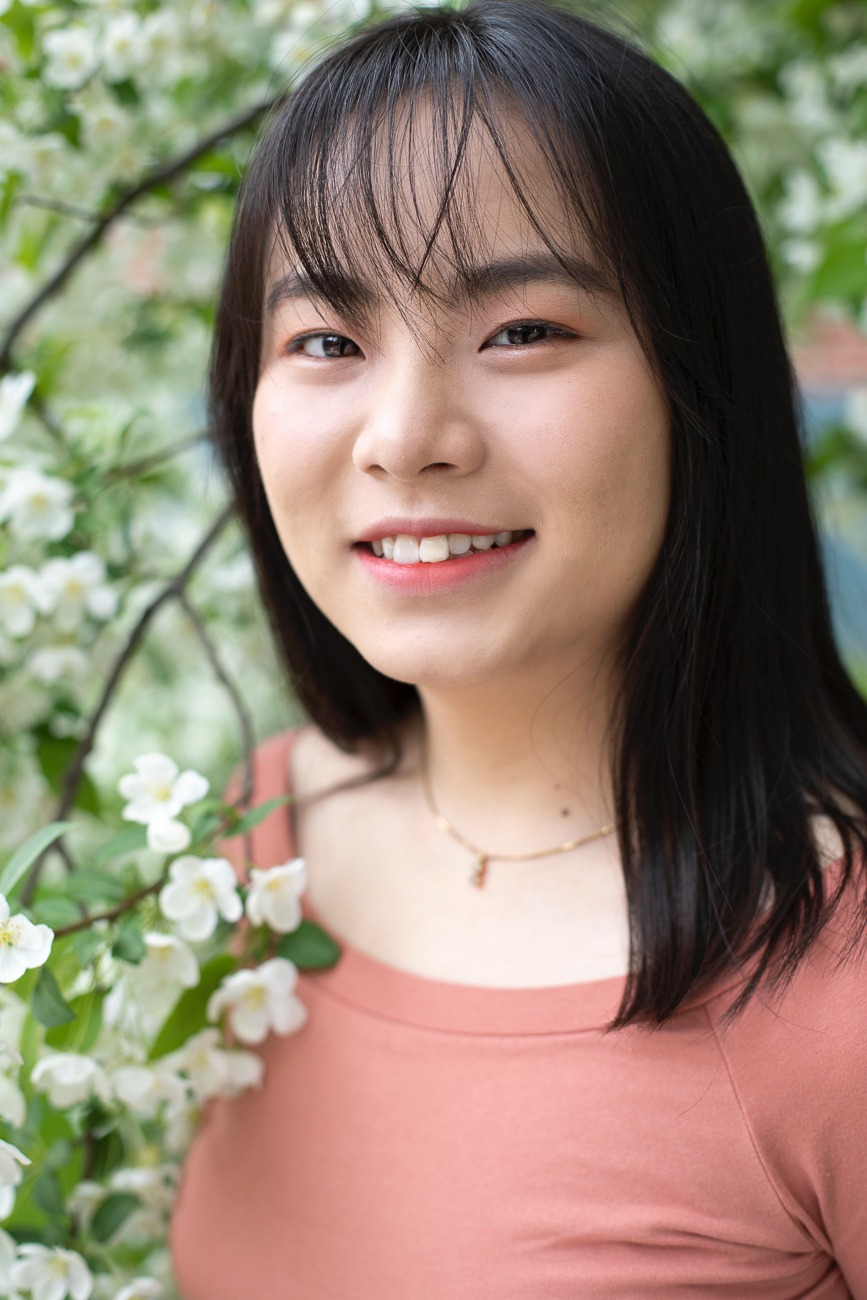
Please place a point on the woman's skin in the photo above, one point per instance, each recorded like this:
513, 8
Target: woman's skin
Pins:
433, 414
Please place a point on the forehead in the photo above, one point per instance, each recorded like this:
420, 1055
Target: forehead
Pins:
420, 213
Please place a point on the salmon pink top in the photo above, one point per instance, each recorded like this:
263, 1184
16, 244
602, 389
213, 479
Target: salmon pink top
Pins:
420, 1140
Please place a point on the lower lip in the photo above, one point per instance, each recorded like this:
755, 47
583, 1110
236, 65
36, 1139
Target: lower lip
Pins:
429, 579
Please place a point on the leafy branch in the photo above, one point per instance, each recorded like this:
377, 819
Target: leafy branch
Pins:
165, 172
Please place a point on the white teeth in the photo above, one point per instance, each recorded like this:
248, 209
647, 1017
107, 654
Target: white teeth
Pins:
459, 543
432, 550
405, 549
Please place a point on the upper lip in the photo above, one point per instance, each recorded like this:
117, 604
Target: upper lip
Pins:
428, 526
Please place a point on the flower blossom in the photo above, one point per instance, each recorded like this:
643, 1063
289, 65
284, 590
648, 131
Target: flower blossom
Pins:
259, 1001
37, 507
76, 586
144, 1089
274, 898
11, 1173
13, 1107
168, 967
70, 1077
214, 1072
122, 51
23, 945
157, 792
50, 1273
22, 597
165, 835
140, 1288
71, 57
200, 889
14, 392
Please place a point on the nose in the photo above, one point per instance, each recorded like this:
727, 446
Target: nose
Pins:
418, 422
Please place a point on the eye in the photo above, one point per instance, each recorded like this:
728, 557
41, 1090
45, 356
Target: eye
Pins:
525, 333
330, 346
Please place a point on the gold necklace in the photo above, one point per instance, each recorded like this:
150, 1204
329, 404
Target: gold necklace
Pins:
480, 865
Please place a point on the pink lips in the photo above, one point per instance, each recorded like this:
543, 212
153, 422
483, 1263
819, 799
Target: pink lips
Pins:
428, 579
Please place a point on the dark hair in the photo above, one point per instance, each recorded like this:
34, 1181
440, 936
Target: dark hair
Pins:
737, 721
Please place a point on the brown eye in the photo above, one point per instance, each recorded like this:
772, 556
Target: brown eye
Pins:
522, 335
327, 345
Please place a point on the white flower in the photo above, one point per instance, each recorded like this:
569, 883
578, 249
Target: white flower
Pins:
13, 1107
274, 896
75, 587
122, 46
856, 412
199, 889
155, 1185
259, 1001
71, 57
144, 1089
802, 208
168, 967
214, 1072
140, 1288
51, 663
156, 790
50, 1273
23, 945
11, 1160
8, 1252
68, 1078
14, 392
37, 507
845, 163
166, 835
21, 598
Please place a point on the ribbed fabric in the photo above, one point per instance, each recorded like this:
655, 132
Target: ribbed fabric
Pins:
420, 1140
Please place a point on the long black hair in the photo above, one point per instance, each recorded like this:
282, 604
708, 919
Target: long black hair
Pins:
737, 722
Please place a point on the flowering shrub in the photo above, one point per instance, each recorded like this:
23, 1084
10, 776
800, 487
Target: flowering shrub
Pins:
136, 976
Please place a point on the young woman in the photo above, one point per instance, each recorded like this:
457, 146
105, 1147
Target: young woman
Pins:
500, 383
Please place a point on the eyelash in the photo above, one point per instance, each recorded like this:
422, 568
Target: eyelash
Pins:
556, 331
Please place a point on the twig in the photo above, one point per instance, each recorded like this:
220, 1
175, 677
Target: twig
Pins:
145, 464
164, 172
72, 777
245, 724
71, 210
113, 912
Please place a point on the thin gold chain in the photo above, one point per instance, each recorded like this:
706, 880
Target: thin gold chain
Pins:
480, 865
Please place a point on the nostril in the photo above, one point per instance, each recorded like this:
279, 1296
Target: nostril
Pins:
440, 464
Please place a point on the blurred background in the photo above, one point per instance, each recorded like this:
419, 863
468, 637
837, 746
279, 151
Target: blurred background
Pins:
128, 619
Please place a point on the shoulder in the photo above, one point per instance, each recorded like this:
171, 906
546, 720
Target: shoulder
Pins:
797, 1062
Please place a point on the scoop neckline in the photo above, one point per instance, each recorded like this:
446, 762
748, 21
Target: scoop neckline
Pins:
391, 993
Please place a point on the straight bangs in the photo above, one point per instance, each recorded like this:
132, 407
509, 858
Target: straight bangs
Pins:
377, 185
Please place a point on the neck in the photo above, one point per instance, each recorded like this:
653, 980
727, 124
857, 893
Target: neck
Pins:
523, 760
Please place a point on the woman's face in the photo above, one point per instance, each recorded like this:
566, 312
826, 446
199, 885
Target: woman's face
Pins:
524, 409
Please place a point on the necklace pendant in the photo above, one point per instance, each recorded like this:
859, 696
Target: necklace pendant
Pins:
479, 871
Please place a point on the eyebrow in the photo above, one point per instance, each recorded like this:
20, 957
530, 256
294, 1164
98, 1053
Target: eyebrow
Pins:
475, 283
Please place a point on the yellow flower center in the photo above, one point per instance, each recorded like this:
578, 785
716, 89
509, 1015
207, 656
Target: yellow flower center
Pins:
9, 934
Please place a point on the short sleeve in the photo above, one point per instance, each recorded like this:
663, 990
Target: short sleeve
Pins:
799, 1069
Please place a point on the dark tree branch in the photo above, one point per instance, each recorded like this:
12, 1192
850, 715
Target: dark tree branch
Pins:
71, 210
145, 464
73, 774
245, 724
165, 172
113, 912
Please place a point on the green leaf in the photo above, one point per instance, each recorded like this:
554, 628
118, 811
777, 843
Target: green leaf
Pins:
55, 754
80, 1034
190, 1011
86, 943
49, 1006
112, 1214
128, 841
108, 1152
47, 1193
28, 853
89, 886
309, 947
129, 944
258, 814
55, 910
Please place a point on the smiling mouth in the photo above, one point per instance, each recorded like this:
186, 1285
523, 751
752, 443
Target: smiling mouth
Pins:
405, 549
